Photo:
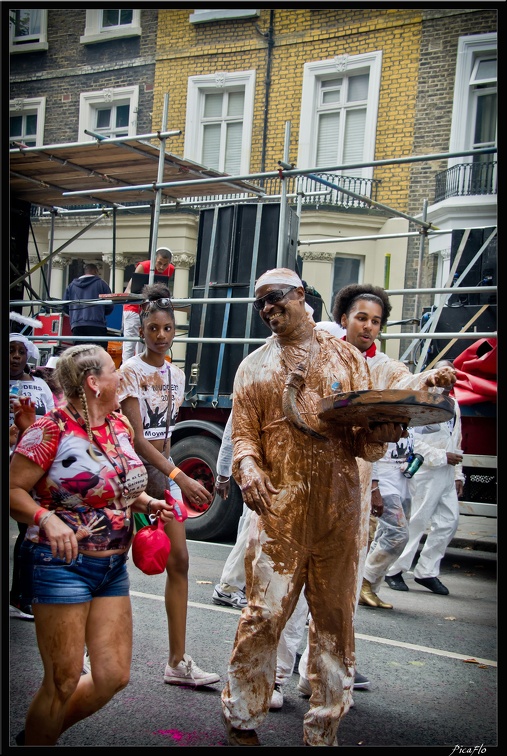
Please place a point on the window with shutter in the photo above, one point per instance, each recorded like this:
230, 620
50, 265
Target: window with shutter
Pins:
339, 112
219, 119
341, 121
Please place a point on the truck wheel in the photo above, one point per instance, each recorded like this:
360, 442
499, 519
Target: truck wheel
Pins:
197, 457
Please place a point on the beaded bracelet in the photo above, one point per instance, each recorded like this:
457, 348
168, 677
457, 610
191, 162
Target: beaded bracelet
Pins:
45, 517
174, 473
148, 507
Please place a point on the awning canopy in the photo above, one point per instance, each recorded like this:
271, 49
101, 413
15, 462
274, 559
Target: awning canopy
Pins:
41, 175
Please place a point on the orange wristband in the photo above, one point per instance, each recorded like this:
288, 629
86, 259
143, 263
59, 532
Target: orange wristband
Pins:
174, 473
38, 515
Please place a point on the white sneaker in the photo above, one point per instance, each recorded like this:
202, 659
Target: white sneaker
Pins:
236, 599
276, 698
188, 673
21, 612
304, 686
86, 663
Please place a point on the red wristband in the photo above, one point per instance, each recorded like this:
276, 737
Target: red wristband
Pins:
38, 515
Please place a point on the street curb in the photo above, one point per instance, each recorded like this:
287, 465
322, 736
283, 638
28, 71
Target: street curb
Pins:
473, 545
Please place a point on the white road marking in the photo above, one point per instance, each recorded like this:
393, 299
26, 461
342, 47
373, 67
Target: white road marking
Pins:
370, 638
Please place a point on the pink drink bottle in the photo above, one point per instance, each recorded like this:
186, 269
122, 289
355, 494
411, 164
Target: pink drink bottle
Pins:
179, 509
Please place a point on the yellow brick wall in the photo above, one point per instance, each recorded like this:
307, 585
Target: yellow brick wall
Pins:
301, 36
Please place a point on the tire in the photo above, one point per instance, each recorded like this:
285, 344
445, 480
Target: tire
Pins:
197, 457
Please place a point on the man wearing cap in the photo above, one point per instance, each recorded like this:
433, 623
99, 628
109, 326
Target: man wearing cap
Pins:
299, 475
131, 321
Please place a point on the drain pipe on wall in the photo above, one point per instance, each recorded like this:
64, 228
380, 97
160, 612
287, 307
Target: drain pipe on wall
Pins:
269, 36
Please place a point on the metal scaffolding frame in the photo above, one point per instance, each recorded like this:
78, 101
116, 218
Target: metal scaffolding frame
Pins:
285, 170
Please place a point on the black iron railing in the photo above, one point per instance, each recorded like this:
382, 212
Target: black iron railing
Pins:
312, 193
467, 179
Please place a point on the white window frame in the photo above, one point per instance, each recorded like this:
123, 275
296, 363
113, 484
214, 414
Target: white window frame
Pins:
27, 107
463, 110
94, 32
200, 85
312, 76
219, 14
89, 101
37, 45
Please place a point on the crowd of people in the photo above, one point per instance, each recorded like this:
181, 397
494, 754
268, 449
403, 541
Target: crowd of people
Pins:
91, 445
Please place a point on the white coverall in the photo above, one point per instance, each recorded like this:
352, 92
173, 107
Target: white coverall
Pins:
434, 498
233, 571
386, 373
391, 534
130, 329
310, 536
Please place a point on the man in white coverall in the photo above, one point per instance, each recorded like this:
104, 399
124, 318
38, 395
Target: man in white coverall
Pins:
434, 489
300, 476
362, 310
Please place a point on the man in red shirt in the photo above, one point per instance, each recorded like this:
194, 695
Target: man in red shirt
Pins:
131, 321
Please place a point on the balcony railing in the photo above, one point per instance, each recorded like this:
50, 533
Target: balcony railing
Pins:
315, 193
312, 193
467, 179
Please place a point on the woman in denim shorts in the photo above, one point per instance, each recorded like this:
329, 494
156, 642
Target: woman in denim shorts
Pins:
75, 481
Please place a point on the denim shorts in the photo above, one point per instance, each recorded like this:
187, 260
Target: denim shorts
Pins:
46, 579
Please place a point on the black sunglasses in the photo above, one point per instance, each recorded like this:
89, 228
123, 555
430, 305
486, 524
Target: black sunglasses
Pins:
272, 298
163, 304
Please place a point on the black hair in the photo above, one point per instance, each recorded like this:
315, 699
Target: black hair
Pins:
153, 293
349, 294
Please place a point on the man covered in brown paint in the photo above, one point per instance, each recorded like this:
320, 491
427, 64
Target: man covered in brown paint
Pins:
299, 475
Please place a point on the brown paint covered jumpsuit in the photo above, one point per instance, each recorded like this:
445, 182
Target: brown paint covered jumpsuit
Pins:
310, 537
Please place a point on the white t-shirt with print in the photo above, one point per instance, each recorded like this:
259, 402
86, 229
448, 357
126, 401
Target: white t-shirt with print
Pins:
150, 386
38, 391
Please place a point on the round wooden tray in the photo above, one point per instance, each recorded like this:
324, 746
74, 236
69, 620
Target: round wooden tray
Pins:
389, 405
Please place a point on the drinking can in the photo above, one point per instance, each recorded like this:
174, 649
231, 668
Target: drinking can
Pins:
414, 461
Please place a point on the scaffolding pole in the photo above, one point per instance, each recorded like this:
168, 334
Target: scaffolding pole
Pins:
291, 172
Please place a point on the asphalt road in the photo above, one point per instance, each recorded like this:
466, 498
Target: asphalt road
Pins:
431, 661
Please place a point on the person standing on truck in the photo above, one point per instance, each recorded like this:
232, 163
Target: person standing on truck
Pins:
151, 394
88, 319
131, 320
299, 474
435, 489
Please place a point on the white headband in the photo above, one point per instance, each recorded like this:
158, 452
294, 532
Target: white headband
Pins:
278, 276
31, 350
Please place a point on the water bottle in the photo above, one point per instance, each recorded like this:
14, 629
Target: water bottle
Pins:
15, 390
